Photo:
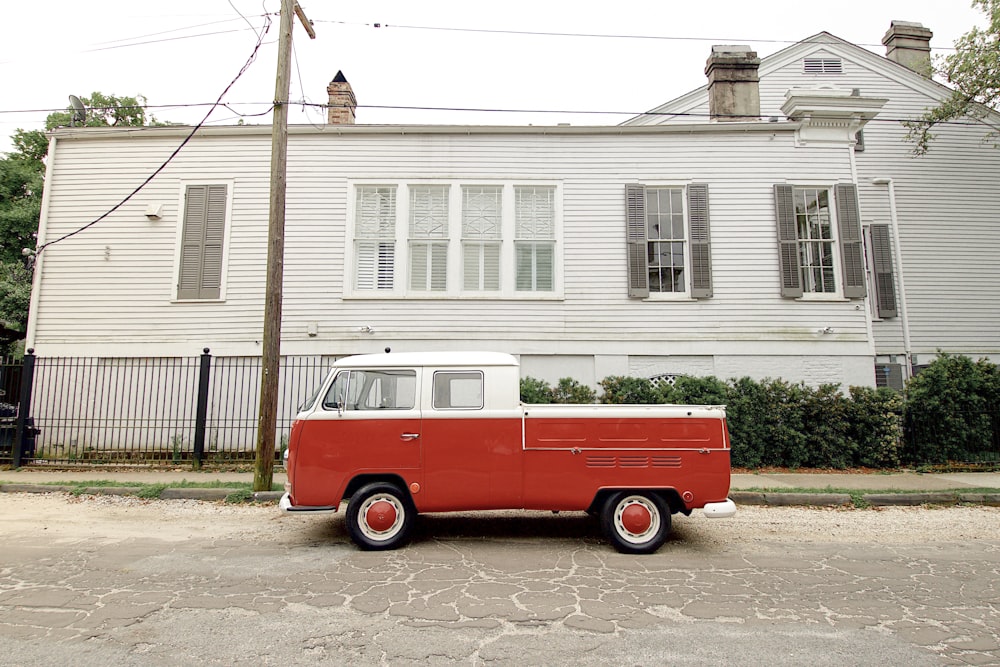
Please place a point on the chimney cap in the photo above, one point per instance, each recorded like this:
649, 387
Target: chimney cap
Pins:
907, 29
340, 78
743, 49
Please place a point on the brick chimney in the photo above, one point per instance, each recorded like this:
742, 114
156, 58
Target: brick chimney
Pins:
733, 83
909, 44
342, 103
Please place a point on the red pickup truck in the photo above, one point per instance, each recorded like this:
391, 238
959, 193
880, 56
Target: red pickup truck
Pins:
403, 433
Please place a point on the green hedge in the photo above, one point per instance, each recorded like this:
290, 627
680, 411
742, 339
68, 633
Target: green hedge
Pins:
950, 411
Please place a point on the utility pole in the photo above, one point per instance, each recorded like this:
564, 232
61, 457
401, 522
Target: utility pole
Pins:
271, 353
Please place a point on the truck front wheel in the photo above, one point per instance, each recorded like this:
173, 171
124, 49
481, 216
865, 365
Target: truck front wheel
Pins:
636, 522
380, 516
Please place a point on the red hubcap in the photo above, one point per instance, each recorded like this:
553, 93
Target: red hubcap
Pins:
636, 519
381, 516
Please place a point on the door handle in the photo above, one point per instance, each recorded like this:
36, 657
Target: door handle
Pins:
409, 436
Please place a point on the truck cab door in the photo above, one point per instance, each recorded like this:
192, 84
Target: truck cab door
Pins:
368, 422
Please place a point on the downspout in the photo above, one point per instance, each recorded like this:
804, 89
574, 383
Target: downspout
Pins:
869, 330
897, 261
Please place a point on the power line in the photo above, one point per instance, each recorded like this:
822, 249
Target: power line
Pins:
494, 110
592, 35
246, 66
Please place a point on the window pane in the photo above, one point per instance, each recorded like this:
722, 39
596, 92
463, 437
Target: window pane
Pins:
428, 266
481, 212
534, 213
458, 390
481, 266
429, 212
535, 266
376, 212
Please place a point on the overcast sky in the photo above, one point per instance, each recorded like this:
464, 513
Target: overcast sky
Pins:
435, 54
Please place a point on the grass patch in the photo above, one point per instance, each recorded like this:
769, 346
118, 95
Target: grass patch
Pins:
242, 492
151, 491
858, 495
830, 489
240, 496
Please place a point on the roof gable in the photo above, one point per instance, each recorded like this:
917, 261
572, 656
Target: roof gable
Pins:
820, 45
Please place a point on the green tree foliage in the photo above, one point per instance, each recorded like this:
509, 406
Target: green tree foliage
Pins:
974, 71
22, 173
106, 111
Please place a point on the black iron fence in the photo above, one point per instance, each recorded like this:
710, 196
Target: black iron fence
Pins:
165, 410
189, 410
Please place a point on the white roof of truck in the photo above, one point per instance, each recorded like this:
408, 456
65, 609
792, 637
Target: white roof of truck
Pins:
434, 359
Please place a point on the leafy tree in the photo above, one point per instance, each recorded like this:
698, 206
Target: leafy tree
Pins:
22, 173
974, 71
106, 111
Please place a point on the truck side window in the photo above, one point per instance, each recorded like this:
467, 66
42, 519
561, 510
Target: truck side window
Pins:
458, 390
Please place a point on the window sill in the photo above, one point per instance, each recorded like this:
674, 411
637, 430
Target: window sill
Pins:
442, 296
197, 301
670, 298
832, 298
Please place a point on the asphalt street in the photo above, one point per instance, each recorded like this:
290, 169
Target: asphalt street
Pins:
106, 580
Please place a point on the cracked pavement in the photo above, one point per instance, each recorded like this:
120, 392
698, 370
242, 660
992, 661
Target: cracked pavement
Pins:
122, 581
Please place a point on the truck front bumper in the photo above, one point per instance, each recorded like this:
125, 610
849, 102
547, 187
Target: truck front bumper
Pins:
722, 510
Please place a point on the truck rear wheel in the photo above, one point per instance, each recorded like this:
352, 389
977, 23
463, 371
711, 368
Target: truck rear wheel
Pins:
380, 516
636, 522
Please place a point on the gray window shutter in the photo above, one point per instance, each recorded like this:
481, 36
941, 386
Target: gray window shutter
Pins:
788, 242
851, 242
201, 242
638, 265
885, 283
701, 246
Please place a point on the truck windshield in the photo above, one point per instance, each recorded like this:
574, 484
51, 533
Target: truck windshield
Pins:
372, 390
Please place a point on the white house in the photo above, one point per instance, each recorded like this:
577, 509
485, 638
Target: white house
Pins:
724, 248
931, 223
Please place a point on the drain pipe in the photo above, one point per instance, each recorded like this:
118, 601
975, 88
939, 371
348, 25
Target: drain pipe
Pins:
897, 261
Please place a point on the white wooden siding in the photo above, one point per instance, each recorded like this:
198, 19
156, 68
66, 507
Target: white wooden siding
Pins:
946, 201
122, 304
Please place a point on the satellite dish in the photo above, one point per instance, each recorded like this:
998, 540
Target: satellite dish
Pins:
79, 111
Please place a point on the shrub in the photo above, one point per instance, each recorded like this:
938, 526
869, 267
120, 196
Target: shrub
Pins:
535, 391
627, 390
570, 391
876, 427
949, 409
765, 423
826, 426
688, 390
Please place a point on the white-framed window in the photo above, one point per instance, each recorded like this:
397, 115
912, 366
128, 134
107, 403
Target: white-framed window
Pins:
669, 242
203, 241
428, 245
814, 229
450, 238
820, 242
534, 238
375, 237
666, 240
482, 237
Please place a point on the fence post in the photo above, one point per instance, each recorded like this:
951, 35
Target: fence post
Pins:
201, 414
23, 433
